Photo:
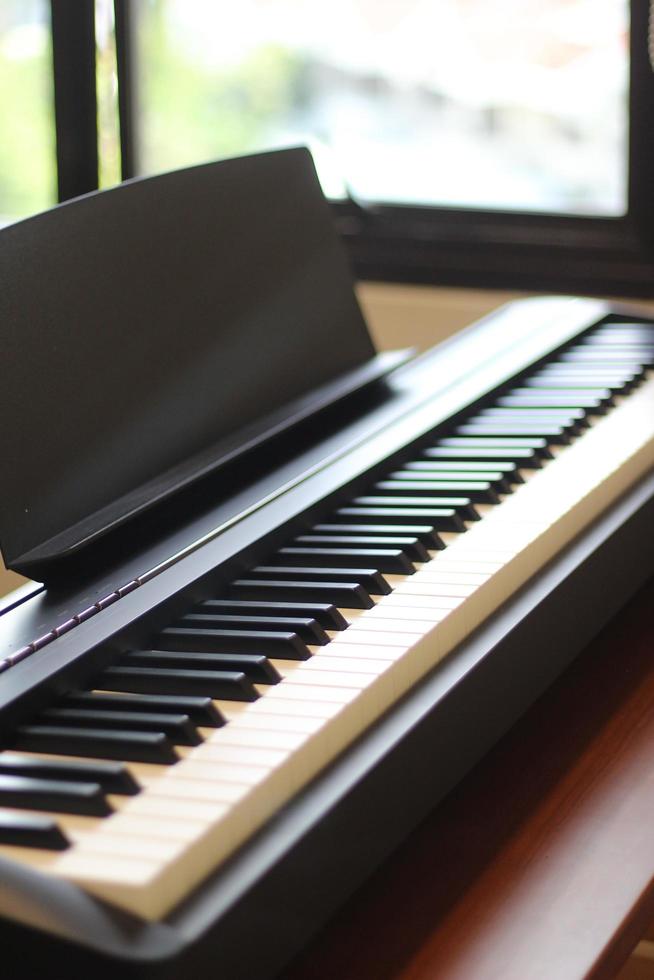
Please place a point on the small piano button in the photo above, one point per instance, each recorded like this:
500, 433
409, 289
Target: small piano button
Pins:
44, 640
111, 777
477, 491
201, 710
307, 628
384, 559
324, 613
268, 642
368, 578
220, 684
179, 728
27, 830
475, 451
18, 655
107, 600
411, 547
346, 595
436, 518
509, 444
94, 742
85, 614
256, 667
65, 627
426, 535
84, 799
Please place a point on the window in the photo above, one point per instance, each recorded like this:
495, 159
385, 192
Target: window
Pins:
469, 142
472, 142
28, 179
512, 104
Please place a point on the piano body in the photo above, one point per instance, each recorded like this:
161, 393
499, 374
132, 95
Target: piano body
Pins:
293, 589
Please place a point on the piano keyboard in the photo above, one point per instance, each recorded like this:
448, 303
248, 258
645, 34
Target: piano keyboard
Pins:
303, 653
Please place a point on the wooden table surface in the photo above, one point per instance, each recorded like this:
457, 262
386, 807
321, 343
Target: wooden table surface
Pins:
541, 863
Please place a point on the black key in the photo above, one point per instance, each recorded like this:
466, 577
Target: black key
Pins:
112, 777
307, 629
201, 711
527, 458
368, 578
410, 546
462, 505
637, 346
628, 342
553, 433
439, 519
538, 444
574, 419
179, 728
228, 685
425, 534
273, 643
348, 595
596, 368
618, 382
536, 399
586, 371
620, 328
497, 481
604, 395
586, 356
583, 382
558, 416
487, 469
85, 799
324, 613
27, 830
476, 490
255, 666
390, 560
638, 351
96, 742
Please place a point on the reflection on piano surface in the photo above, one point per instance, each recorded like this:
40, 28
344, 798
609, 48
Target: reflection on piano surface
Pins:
206, 696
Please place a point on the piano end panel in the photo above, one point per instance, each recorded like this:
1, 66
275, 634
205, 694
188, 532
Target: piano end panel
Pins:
46, 921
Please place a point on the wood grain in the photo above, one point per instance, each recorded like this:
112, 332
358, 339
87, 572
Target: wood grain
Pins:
541, 864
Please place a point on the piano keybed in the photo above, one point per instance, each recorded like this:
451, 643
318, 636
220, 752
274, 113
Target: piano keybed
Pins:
243, 699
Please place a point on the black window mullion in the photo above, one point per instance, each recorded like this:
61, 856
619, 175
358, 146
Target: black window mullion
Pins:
73, 57
127, 94
641, 114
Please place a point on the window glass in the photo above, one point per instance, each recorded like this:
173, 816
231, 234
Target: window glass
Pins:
28, 181
518, 104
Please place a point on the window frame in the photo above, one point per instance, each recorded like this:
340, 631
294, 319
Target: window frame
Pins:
522, 250
487, 248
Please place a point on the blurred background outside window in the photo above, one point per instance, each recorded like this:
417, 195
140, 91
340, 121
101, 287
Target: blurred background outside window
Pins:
513, 104
509, 104
28, 177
